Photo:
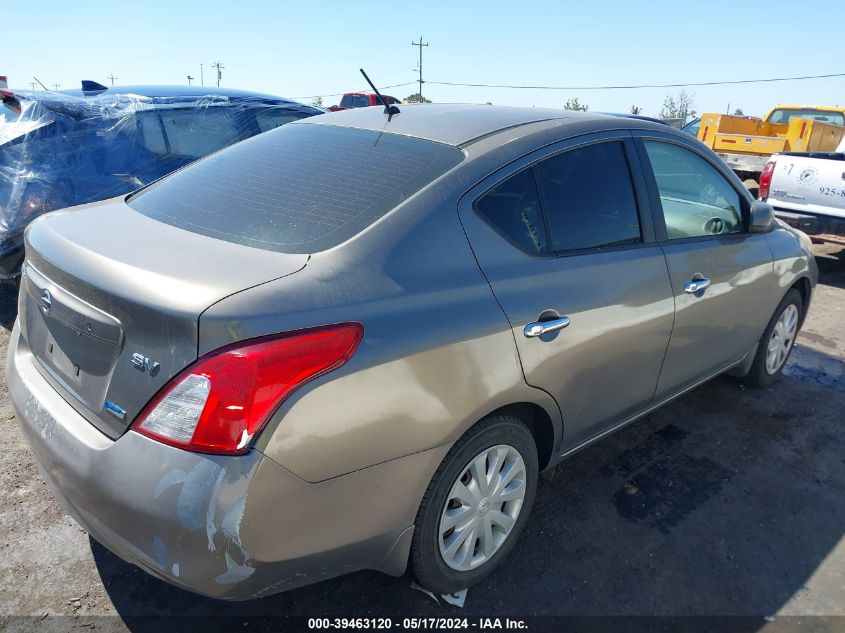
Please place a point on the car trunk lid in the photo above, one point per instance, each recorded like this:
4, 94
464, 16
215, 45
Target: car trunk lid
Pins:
110, 302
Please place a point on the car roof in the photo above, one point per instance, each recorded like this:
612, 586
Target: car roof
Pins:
451, 124
119, 101
172, 91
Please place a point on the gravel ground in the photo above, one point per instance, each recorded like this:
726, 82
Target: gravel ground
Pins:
728, 501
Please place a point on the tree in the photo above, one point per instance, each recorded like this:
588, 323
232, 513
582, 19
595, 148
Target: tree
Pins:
635, 109
415, 98
681, 107
574, 104
739, 112
317, 102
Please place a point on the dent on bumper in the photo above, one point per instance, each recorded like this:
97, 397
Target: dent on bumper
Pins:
228, 527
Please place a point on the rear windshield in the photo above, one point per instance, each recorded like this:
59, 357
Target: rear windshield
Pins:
784, 115
300, 188
355, 101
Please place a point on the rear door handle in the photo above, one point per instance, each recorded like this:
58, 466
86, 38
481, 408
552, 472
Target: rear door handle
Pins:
696, 285
538, 328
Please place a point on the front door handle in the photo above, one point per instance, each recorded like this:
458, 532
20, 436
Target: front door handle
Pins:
538, 328
696, 285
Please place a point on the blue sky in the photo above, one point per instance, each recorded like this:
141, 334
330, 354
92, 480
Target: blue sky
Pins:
298, 49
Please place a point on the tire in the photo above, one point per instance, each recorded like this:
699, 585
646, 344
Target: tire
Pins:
761, 373
500, 439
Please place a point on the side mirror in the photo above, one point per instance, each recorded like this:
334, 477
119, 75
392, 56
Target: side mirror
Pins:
762, 217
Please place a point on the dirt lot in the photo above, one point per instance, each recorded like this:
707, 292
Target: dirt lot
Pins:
729, 501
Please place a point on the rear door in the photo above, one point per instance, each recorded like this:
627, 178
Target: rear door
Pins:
722, 276
564, 241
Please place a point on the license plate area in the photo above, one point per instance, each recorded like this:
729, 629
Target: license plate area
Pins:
75, 342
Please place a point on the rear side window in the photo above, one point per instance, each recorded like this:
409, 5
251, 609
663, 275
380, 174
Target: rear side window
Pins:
271, 118
187, 133
195, 133
300, 188
579, 199
589, 198
513, 209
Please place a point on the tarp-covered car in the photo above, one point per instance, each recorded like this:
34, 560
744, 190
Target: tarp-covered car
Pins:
60, 149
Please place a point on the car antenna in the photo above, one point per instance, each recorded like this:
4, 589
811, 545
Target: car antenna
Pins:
389, 110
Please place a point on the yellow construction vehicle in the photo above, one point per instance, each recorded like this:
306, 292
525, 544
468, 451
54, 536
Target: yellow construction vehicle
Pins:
746, 143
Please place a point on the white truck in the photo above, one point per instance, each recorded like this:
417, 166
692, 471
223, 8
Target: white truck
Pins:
807, 191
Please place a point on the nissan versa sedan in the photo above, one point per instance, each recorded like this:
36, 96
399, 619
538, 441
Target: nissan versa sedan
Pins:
354, 342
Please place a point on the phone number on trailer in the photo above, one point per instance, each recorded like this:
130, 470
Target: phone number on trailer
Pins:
432, 624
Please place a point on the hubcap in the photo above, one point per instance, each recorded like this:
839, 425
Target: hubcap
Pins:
482, 507
782, 338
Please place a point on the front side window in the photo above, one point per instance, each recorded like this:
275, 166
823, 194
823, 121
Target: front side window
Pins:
589, 198
697, 200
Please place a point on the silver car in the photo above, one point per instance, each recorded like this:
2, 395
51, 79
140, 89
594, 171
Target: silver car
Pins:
353, 343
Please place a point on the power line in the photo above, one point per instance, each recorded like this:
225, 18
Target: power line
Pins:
633, 87
340, 94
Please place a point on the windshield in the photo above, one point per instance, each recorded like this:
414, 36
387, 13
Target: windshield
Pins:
300, 188
784, 115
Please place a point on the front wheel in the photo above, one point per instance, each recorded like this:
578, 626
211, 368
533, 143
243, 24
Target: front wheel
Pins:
475, 506
777, 342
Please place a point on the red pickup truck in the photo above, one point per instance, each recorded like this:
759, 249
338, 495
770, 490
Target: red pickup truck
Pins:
361, 100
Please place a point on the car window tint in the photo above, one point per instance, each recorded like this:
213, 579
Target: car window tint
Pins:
697, 200
589, 198
513, 209
301, 188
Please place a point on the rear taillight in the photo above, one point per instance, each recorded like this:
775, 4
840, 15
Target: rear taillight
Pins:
221, 402
766, 180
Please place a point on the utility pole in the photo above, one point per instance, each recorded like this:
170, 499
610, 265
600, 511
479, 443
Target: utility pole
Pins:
202, 79
33, 84
112, 77
189, 80
219, 66
419, 70
56, 86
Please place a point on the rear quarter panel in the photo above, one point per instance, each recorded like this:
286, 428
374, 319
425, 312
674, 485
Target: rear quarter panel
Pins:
793, 259
437, 354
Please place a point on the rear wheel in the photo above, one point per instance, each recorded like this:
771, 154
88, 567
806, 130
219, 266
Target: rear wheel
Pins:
475, 506
777, 342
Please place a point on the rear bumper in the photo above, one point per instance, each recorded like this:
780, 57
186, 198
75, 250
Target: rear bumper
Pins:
11, 257
227, 527
826, 227
744, 162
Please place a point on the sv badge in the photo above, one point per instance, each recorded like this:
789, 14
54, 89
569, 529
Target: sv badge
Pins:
145, 364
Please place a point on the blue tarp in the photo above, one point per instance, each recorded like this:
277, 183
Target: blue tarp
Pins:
67, 149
